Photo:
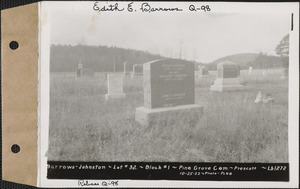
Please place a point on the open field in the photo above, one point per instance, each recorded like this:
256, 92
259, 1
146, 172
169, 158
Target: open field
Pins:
84, 127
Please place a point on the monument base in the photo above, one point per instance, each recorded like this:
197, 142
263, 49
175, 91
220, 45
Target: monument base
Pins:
114, 96
203, 76
230, 84
137, 76
147, 116
226, 88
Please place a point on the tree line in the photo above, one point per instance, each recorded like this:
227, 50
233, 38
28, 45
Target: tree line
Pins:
65, 58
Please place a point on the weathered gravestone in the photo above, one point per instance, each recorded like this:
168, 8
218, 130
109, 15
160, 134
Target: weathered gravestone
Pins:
203, 71
114, 86
137, 70
79, 69
227, 77
169, 92
284, 73
126, 70
250, 70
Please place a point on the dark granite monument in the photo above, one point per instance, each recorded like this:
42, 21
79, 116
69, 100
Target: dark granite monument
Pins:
169, 89
203, 71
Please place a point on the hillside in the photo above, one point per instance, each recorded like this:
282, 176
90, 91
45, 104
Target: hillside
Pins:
65, 58
257, 61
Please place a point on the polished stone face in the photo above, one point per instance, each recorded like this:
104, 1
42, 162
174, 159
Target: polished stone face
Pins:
168, 83
228, 70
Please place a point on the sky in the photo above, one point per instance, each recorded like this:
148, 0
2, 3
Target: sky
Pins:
200, 37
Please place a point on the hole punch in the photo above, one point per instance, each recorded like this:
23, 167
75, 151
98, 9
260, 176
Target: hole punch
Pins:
13, 45
15, 148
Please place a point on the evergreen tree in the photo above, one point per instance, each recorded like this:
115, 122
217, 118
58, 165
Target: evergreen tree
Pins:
282, 49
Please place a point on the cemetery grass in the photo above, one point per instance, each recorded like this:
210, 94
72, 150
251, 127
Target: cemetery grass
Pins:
84, 127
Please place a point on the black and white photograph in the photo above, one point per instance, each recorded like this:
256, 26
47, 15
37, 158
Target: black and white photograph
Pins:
170, 86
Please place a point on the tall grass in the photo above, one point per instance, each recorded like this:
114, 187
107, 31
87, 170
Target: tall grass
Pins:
85, 127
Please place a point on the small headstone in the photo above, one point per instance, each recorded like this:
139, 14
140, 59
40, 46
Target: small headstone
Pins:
126, 70
250, 70
169, 91
114, 86
79, 69
137, 70
199, 67
227, 77
203, 71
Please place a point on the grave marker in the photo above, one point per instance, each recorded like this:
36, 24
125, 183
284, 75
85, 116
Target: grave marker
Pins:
250, 70
79, 69
137, 70
169, 91
126, 70
227, 77
203, 71
114, 86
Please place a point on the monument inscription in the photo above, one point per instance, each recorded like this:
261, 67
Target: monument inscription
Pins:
169, 82
169, 93
228, 71
231, 72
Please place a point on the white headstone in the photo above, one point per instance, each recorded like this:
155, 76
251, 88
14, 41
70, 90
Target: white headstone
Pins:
200, 66
250, 70
114, 86
126, 70
79, 69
